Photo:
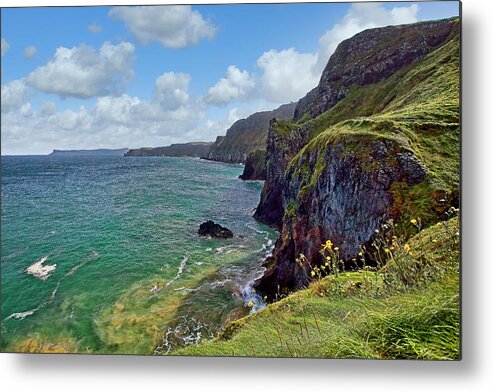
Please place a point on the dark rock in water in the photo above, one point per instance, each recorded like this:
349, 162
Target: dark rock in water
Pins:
209, 228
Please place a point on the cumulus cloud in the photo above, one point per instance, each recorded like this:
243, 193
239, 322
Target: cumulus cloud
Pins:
114, 121
5, 46
237, 85
15, 94
94, 28
30, 52
84, 72
172, 26
287, 74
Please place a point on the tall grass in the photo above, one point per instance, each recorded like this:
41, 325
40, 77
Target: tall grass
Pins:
390, 312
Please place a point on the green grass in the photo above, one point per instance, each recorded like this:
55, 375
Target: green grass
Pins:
415, 110
410, 307
363, 314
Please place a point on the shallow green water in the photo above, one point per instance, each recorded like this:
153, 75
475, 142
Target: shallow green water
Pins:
132, 275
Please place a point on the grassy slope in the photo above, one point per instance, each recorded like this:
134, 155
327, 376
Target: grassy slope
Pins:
364, 314
417, 108
371, 315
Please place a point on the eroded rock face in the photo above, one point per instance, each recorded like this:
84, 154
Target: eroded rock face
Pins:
369, 57
211, 229
255, 168
280, 150
348, 202
341, 189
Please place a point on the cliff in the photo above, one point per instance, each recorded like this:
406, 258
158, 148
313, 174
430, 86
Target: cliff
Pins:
247, 135
377, 140
193, 149
255, 167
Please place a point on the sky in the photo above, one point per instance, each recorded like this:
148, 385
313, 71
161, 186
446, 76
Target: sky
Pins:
142, 76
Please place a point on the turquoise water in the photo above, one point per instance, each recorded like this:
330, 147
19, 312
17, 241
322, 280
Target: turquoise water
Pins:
132, 275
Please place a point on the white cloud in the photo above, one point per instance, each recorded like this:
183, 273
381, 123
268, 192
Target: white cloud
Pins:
287, 74
361, 16
83, 72
171, 115
171, 90
94, 28
15, 94
237, 85
30, 52
5, 46
172, 26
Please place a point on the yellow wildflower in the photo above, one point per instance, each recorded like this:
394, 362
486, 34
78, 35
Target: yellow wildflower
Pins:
336, 249
313, 273
434, 240
326, 264
328, 245
414, 221
387, 250
328, 258
360, 254
250, 304
407, 248
322, 266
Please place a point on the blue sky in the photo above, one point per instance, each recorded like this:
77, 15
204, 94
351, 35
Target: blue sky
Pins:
92, 77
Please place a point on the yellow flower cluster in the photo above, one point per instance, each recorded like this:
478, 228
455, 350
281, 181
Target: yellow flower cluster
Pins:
328, 245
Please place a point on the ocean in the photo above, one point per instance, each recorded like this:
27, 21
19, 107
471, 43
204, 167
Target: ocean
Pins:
102, 255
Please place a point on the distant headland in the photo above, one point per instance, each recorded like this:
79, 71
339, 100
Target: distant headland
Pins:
98, 152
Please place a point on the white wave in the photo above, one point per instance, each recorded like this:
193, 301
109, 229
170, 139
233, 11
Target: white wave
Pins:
23, 315
39, 270
182, 265
229, 248
255, 229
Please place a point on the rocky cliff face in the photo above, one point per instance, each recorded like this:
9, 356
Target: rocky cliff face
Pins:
255, 166
247, 136
369, 57
378, 139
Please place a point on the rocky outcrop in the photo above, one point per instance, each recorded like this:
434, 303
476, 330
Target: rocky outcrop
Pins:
193, 149
350, 199
369, 57
255, 167
283, 143
211, 229
393, 153
246, 136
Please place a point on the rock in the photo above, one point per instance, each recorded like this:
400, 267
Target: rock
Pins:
209, 228
369, 57
340, 175
255, 167
247, 135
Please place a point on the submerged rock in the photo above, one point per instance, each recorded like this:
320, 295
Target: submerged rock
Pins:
209, 228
